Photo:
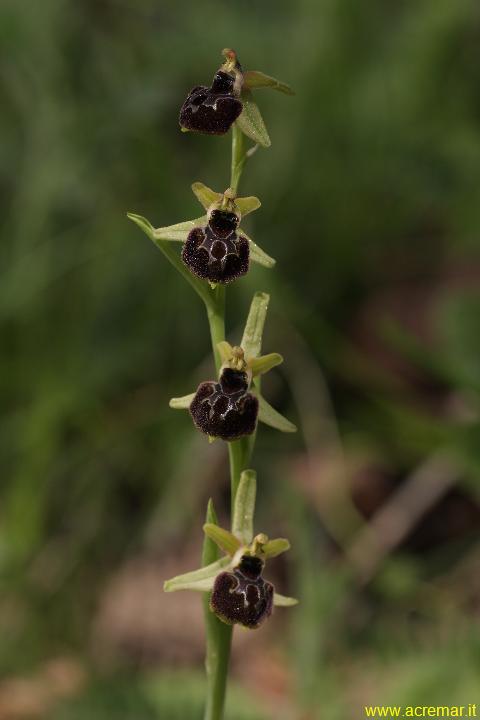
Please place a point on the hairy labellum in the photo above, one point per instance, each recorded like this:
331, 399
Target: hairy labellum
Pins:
215, 252
242, 596
225, 409
211, 110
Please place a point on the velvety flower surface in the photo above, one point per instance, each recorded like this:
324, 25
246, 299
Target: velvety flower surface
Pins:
215, 252
211, 110
225, 409
242, 596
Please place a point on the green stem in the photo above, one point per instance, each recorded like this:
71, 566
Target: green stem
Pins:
219, 635
216, 321
219, 638
239, 156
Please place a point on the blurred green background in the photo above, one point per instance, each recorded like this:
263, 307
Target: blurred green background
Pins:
370, 197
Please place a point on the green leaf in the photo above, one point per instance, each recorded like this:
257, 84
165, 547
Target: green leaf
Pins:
268, 415
256, 253
275, 547
182, 403
254, 80
264, 363
247, 205
210, 551
244, 507
252, 335
200, 287
143, 224
200, 580
223, 538
251, 122
283, 600
205, 195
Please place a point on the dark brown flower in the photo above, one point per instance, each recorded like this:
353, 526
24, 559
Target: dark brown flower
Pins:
216, 252
225, 409
211, 110
242, 596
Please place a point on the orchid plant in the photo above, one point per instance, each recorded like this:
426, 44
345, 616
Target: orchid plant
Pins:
215, 252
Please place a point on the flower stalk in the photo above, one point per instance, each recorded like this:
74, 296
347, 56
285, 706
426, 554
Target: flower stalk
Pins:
218, 638
219, 634
239, 157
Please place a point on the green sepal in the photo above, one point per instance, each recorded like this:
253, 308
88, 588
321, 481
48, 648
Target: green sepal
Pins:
255, 79
252, 334
256, 253
205, 195
264, 363
275, 547
180, 231
244, 507
174, 233
284, 601
268, 415
200, 580
251, 122
182, 403
223, 538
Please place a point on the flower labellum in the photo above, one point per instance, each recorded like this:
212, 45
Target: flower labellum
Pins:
212, 110
216, 252
242, 596
225, 409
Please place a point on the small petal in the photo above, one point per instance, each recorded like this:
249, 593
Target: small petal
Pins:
275, 547
264, 363
247, 205
223, 538
205, 195
225, 350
